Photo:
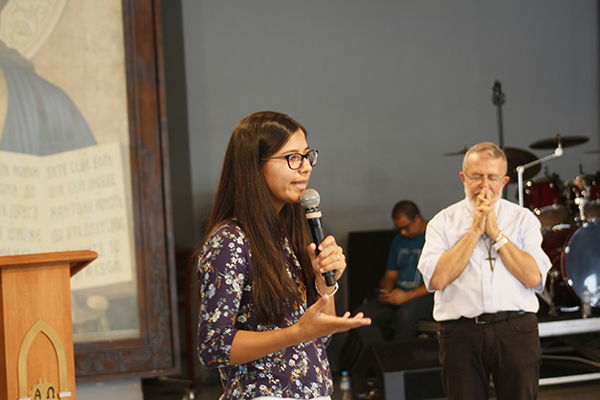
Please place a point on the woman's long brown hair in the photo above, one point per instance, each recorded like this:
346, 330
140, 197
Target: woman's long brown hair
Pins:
243, 194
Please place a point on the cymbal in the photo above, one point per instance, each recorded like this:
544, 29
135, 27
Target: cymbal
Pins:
565, 141
516, 157
457, 153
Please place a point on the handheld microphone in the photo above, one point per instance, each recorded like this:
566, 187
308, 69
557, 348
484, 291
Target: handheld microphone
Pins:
310, 199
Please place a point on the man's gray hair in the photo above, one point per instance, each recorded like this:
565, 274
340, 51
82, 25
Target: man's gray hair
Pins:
490, 149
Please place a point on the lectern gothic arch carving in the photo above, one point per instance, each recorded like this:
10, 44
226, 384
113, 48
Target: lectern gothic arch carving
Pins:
39, 327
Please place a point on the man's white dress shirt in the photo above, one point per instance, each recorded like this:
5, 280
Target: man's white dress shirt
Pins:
479, 289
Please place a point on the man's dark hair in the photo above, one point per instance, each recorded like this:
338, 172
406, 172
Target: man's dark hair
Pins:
405, 207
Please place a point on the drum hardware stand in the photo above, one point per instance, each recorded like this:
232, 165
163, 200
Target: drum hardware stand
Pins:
560, 226
548, 295
581, 202
521, 168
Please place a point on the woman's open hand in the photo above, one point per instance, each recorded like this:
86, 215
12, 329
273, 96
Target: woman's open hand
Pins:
317, 323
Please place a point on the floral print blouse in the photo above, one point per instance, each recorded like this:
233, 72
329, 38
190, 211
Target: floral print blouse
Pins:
225, 274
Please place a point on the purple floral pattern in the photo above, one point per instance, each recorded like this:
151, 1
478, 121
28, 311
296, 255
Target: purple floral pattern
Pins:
225, 274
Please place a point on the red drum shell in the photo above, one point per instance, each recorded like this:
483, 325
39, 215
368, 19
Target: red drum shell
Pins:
544, 196
588, 187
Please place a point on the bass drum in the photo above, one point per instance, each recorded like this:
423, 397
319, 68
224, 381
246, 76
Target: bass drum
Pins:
580, 261
557, 292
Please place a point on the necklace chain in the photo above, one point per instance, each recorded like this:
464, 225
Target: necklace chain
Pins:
490, 258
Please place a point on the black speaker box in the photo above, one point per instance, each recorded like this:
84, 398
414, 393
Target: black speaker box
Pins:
403, 370
367, 258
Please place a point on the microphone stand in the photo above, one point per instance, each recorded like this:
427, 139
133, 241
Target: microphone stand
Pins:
521, 168
498, 98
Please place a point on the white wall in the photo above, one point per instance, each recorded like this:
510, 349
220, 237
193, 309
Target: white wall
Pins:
386, 87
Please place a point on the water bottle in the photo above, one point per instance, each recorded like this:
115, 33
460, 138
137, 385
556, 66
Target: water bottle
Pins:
586, 306
190, 394
346, 386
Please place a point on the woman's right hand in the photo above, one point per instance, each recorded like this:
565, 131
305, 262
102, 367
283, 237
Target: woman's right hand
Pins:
316, 323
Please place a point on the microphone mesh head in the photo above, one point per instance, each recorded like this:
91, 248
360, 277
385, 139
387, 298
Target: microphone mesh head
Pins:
310, 198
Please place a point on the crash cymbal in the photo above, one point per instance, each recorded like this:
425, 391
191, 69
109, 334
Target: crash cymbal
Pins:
552, 143
516, 157
457, 153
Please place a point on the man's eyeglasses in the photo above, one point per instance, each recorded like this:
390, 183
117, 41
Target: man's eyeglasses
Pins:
295, 160
405, 227
493, 179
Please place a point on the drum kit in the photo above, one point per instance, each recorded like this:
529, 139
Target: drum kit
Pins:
569, 212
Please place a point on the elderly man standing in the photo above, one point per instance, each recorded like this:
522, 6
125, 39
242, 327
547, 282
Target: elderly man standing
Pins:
483, 259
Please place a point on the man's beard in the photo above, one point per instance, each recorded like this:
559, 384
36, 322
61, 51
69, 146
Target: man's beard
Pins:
471, 200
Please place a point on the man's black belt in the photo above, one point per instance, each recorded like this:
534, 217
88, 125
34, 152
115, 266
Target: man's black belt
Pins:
489, 318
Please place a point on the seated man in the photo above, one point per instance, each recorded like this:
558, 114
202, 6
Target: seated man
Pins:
403, 298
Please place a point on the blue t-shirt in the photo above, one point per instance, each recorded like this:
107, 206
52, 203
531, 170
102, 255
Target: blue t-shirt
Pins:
404, 257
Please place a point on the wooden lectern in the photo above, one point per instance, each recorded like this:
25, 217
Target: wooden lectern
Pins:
36, 332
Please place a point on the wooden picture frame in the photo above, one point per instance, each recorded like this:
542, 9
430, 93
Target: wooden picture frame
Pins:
156, 351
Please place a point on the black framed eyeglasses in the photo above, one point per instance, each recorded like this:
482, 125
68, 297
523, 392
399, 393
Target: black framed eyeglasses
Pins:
295, 160
405, 227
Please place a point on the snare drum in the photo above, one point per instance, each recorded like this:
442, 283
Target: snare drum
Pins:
544, 196
580, 261
588, 188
